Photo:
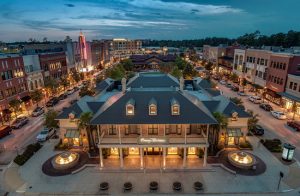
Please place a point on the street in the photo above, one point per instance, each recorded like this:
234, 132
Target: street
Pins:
20, 138
274, 128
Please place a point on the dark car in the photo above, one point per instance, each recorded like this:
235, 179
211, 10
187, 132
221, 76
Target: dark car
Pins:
257, 130
52, 102
73, 101
62, 96
294, 124
19, 122
4, 131
76, 88
235, 88
37, 111
266, 106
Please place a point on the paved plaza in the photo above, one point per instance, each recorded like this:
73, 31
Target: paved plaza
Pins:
31, 180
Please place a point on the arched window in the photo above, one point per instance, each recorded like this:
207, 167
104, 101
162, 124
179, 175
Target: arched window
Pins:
152, 107
130, 107
175, 107
31, 85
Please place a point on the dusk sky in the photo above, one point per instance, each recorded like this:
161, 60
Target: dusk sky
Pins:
154, 19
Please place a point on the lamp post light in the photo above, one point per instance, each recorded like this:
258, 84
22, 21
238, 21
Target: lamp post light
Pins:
288, 152
281, 174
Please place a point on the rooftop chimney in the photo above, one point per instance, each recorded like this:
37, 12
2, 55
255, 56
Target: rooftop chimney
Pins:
181, 83
123, 81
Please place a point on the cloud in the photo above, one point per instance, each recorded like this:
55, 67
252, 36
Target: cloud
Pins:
69, 5
202, 9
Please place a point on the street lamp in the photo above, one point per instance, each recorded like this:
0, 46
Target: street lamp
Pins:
288, 152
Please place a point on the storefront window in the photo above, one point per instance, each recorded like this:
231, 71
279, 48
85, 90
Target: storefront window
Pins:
114, 151
191, 150
134, 151
172, 151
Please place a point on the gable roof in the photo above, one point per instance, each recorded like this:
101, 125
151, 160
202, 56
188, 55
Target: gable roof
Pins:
75, 109
189, 112
156, 80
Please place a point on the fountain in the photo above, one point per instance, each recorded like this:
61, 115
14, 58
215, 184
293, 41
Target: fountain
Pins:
65, 160
242, 160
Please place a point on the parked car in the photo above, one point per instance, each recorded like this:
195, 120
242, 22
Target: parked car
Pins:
257, 130
255, 99
294, 124
70, 91
223, 82
266, 106
52, 102
45, 134
235, 88
228, 85
73, 101
63, 96
37, 111
241, 93
4, 131
19, 122
279, 115
80, 86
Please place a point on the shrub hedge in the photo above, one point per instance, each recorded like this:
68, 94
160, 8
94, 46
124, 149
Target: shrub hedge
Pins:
29, 151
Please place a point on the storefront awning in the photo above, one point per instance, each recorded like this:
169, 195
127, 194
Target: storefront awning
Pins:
234, 132
289, 96
26, 98
273, 94
72, 134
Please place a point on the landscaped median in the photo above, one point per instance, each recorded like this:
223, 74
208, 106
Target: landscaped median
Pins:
29, 152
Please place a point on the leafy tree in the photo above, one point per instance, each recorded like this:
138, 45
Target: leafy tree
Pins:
180, 63
253, 120
166, 67
86, 91
244, 83
36, 96
84, 123
208, 66
15, 105
64, 82
50, 119
127, 64
116, 73
52, 85
234, 77
222, 120
176, 72
76, 76
189, 72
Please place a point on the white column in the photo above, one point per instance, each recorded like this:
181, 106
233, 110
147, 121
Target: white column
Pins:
121, 157
101, 158
185, 134
164, 158
205, 157
142, 157
98, 133
119, 130
184, 157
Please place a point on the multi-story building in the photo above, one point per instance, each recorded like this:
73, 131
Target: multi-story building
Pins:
291, 96
34, 73
160, 120
213, 53
239, 63
13, 84
53, 65
123, 48
100, 53
225, 62
256, 68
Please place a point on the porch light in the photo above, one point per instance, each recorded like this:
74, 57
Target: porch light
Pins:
288, 152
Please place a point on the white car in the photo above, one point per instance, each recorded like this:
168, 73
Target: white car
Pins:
223, 82
279, 115
255, 99
70, 91
45, 134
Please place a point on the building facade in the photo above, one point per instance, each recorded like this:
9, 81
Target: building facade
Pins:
53, 65
33, 71
159, 118
239, 65
291, 96
124, 48
13, 83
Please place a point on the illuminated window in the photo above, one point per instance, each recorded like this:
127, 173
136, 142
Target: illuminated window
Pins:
130, 107
175, 107
152, 107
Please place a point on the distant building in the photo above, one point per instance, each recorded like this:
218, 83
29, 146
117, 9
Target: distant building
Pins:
53, 65
34, 73
151, 61
123, 48
100, 53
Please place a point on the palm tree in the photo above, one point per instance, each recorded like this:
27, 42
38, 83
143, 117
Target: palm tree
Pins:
222, 124
15, 105
50, 119
84, 123
252, 122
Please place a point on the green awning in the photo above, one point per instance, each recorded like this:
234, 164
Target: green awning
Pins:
234, 132
72, 134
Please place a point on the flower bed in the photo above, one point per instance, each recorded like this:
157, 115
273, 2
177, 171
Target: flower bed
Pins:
273, 145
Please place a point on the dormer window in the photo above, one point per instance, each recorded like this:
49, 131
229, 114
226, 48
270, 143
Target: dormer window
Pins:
152, 107
175, 107
130, 107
